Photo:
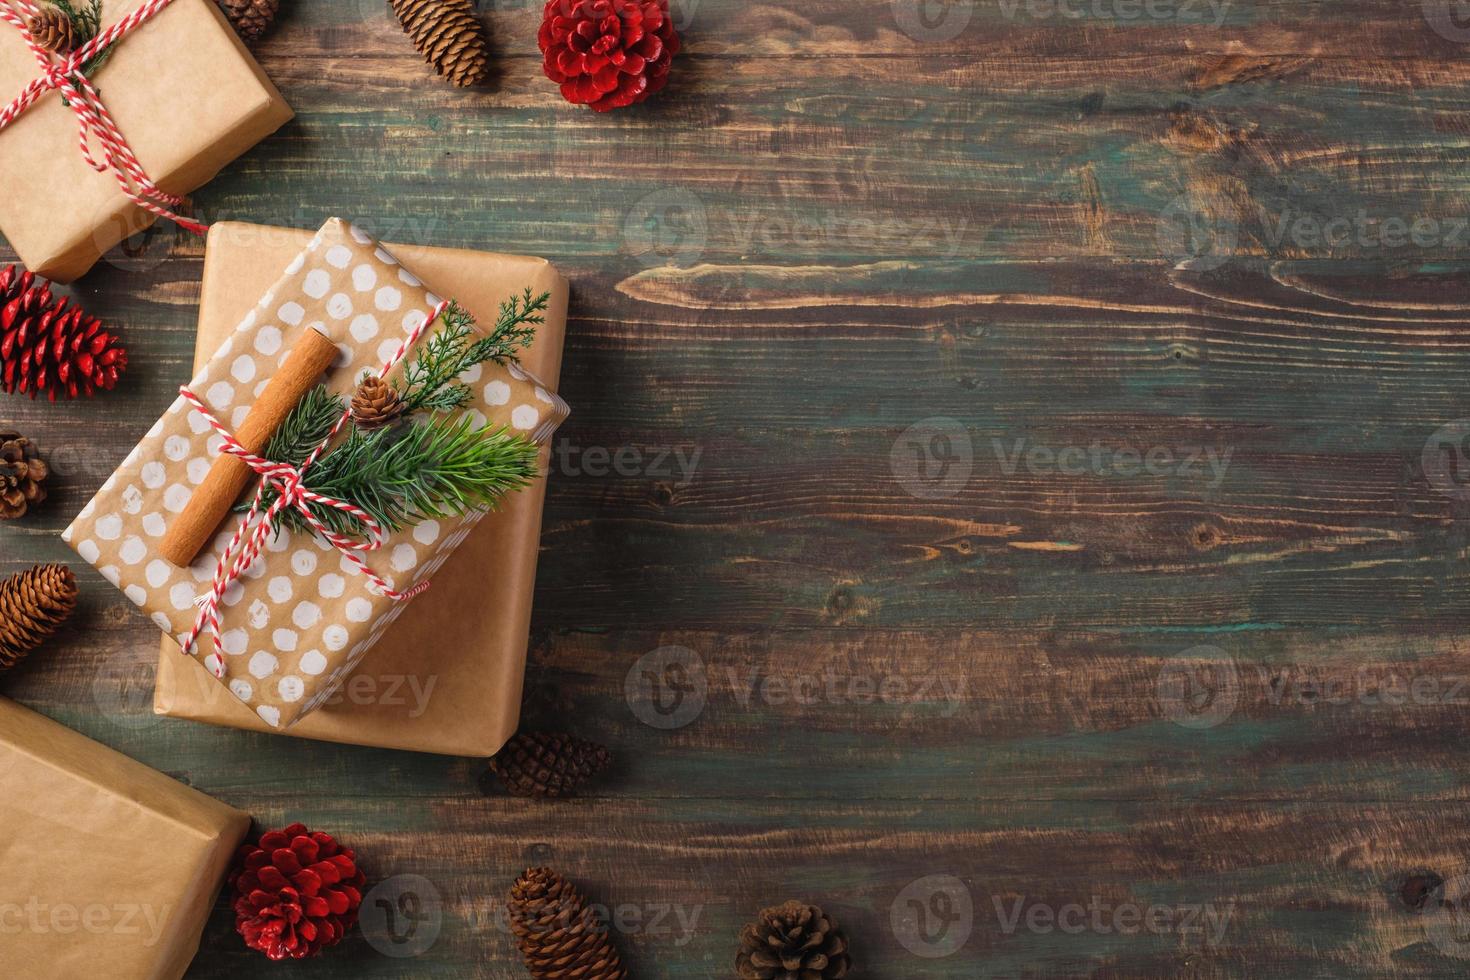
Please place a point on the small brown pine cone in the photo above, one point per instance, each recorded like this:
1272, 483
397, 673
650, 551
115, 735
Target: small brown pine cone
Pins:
449, 36
546, 764
559, 937
54, 31
794, 941
22, 475
250, 18
376, 404
33, 605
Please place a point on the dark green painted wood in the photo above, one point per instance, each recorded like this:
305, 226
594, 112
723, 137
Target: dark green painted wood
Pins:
825, 232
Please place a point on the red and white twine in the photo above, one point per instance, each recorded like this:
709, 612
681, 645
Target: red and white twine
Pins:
65, 74
289, 482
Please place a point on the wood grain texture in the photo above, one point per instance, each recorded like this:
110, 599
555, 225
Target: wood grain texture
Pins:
854, 552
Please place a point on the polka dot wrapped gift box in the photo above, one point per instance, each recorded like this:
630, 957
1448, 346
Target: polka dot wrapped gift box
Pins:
302, 616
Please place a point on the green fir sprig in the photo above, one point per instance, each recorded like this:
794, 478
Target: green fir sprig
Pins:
430, 382
309, 423
405, 475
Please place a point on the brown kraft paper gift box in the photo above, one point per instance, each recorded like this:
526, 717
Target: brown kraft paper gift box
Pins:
107, 868
297, 624
185, 94
447, 676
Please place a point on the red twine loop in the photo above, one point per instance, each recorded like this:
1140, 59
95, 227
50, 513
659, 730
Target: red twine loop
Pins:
289, 482
93, 119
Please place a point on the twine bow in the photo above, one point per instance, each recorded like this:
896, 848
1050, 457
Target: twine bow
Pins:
259, 524
93, 120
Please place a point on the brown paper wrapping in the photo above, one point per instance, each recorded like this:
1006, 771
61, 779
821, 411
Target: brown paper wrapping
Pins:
107, 868
459, 694
298, 622
184, 92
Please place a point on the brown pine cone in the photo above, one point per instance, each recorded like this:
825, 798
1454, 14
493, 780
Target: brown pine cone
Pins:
559, 937
54, 31
376, 404
547, 764
33, 605
22, 475
449, 36
792, 942
250, 18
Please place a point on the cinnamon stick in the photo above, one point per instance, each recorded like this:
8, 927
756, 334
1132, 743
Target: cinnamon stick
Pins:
187, 535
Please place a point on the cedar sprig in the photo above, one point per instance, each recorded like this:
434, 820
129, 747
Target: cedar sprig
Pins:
430, 381
404, 475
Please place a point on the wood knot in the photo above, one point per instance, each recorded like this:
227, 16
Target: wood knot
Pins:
663, 493
1205, 536
847, 604
1417, 888
840, 601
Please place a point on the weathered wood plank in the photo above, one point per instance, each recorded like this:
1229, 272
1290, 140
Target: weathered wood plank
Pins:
1290, 890
1055, 231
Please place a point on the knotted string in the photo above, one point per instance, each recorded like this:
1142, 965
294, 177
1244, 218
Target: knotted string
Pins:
66, 74
289, 483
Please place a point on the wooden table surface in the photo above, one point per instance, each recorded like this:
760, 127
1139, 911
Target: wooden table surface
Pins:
1038, 535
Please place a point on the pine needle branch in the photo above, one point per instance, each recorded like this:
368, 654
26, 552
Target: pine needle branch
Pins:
305, 427
404, 475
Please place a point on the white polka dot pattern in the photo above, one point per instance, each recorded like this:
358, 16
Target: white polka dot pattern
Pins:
299, 620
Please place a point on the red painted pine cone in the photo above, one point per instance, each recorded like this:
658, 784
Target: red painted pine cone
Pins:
608, 53
296, 892
48, 346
